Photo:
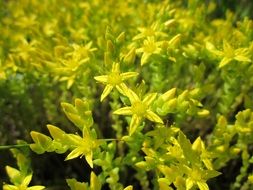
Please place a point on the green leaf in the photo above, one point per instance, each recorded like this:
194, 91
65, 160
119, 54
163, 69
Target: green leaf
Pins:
37, 148
56, 132
75, 185
76, 119
41, 139
210, 174
186, 146
68, 108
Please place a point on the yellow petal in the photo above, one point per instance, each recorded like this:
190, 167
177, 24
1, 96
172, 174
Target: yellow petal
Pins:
128, 75
124, 111
88, 158
149, 98
224, 62
189, 184
74, 154
36, 187
210, 47
227, 47
132, 96
130, 187
153, 117
242, 58
102, 78
122, 88
135, 122
106, 91
116, 67
10, 187
202, 186
144, 58
27, 180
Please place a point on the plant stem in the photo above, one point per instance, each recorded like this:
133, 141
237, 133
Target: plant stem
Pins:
13, 146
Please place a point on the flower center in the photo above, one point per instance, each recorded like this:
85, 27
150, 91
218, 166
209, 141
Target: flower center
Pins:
196, 175
139, 108
229, 53
114, 78
149, 32
149, 47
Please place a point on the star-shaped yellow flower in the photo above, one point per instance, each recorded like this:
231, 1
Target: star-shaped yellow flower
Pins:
150, 46
153, 31
114, 79
229, 53
139, 109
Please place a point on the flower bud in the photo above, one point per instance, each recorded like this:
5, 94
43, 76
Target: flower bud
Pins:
130, 56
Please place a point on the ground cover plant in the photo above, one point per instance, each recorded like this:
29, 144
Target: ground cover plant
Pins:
126, 95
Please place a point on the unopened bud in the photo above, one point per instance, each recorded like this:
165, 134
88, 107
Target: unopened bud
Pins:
130, 56
107, 58
169, 94
170, 22
175, 40
110, 46
121, 37
203, 113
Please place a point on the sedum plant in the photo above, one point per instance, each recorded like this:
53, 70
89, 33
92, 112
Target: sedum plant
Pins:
156, 94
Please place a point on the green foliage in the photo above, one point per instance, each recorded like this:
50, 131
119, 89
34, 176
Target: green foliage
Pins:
161, 92
20, 178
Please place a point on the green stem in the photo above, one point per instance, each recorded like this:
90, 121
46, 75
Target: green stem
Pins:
13, 146
111, 139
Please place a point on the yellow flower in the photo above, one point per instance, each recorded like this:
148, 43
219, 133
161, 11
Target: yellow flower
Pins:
24, 184
229, 53
139, 109
150, 46
198, 176
82, 52
152, 31
114, 79
83, 146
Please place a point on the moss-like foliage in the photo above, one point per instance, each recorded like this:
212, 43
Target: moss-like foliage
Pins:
156, 94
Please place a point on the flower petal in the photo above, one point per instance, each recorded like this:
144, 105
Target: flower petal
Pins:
189, 183
106, 91
36, 187
128, 75
74, 154
132, 96
242, 58
115, 67
102, 78
210, 47
27, 180
153, 117
224, 62
135, 122
144, 58
122, 88
10, 187
227, 47
88, 158
149, 98
124, 111
202, 185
